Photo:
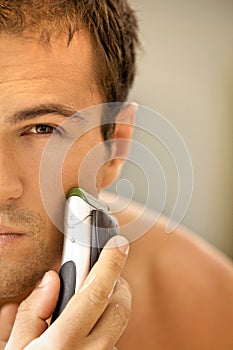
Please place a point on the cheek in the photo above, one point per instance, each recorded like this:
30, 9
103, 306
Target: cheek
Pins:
70, 171
28, 165
83, 166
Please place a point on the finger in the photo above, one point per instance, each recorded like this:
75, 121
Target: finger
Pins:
34, 311
115, 318
86, 307
7, 318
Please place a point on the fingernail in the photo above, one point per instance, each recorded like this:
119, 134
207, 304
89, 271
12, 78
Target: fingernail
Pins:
122, 244
45, 280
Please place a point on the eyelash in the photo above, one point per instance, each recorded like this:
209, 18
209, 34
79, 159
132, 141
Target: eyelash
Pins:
54, 130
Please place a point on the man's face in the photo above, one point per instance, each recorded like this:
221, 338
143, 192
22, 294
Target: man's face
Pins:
32, 78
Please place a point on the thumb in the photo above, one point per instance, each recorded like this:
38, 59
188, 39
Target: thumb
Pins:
33, 312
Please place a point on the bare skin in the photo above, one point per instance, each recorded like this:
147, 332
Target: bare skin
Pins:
34, 82
182, 288
84, 324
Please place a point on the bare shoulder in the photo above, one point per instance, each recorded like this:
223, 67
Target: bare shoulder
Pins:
182, 288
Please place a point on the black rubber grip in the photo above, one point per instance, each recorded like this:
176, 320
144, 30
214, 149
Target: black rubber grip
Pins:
104, 226
68, 281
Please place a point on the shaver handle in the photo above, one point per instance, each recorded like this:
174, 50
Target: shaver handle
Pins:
67, 276
103, 227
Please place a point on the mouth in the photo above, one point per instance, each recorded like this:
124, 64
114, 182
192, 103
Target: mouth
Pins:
10, 235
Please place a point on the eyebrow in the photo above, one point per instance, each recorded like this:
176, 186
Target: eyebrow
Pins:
41, 110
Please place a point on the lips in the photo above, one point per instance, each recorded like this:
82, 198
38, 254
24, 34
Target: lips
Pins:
4, 230
9, 235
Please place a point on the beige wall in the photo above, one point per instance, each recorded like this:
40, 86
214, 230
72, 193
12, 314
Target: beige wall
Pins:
186, 74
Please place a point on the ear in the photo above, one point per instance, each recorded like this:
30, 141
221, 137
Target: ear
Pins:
121, 144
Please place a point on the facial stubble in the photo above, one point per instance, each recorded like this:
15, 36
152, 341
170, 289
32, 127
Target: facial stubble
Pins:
21, 267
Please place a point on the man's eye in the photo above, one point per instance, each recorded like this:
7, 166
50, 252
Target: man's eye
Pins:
42, 129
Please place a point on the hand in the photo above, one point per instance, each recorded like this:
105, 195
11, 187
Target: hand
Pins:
94, 318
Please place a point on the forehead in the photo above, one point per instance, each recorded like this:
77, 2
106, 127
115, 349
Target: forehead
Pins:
31, 72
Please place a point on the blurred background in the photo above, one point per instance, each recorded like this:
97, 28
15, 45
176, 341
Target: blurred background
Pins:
185, 73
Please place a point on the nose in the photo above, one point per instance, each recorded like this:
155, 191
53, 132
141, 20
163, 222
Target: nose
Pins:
10, 184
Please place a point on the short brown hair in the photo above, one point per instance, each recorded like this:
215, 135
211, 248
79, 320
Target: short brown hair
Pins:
112, 25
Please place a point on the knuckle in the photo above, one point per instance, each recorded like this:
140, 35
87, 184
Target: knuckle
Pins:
123, 294
24, 307
98, 295
124, 284
23, 315
122, 313
115, 266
